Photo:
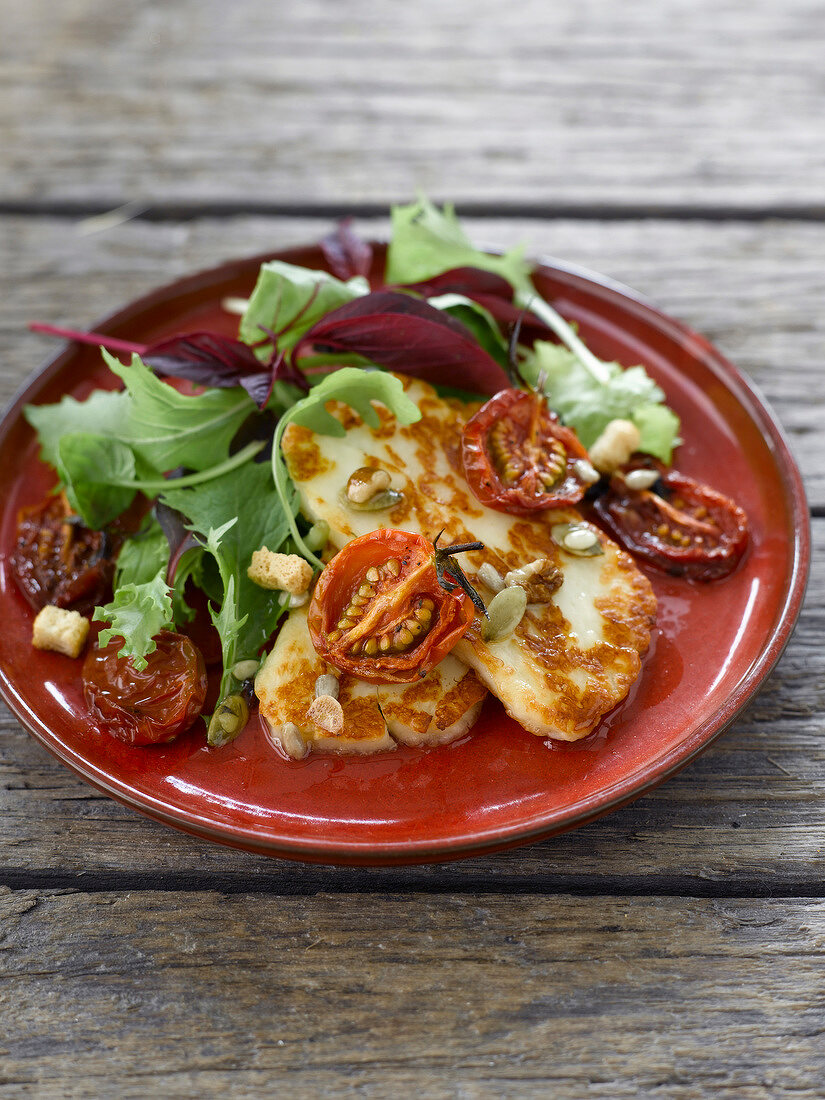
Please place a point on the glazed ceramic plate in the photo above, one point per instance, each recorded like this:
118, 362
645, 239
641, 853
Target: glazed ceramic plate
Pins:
713, 645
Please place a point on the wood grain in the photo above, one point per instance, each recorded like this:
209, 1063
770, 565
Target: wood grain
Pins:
674, 948
754, 289
586, 103
606, 997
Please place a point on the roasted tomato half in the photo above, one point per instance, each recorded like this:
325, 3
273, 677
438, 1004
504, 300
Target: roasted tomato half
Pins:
379, 611
59, 561
151, 706
519, 458
679, 525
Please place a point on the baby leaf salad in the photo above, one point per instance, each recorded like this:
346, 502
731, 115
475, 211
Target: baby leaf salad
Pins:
169, 485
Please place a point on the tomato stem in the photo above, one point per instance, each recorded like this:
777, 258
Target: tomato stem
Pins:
451, 575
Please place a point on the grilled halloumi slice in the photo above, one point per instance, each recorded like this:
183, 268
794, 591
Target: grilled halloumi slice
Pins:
570, 660
442, 706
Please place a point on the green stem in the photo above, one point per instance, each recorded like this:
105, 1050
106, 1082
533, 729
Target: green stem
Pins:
232, 463
563, 330
280, 476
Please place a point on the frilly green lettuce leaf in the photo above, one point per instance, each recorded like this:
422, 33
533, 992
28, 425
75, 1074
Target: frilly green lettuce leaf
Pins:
588, 405
137, 614
145, 553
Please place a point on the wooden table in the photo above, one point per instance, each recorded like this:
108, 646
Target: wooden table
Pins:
674, 948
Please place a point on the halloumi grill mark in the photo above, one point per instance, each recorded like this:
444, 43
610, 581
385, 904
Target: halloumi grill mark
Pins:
570, 660
440, 707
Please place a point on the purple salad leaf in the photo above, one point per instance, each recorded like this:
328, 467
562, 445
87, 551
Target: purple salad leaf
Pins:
489, 290
346, 253
212, 360
406, 334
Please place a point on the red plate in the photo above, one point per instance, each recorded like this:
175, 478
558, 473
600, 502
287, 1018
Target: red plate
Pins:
712, 648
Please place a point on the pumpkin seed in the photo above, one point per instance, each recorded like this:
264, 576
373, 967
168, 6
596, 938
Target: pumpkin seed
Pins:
230, 717
505, 611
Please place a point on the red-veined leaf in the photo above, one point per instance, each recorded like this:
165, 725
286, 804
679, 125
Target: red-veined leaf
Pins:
489, 290
346, 253
212, 360
206, 358
406, 334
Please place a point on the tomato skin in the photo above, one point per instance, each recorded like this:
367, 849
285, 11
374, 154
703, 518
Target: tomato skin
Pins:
395, 601
517, 427
58, 562
716, 529
152, 706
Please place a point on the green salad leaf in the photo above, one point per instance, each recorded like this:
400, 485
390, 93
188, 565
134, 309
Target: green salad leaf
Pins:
142, 556
168, 429
358, 389
145, 553
136, 614
248, 614
103, 412
97, 472
588, 404
427, 241
289, 300
478, 320
353, 387
659, 428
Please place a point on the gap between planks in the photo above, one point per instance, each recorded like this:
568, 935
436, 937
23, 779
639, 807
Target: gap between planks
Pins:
304, 880
181, 211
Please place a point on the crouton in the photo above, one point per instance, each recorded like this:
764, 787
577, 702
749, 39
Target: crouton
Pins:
286, 572
61, 630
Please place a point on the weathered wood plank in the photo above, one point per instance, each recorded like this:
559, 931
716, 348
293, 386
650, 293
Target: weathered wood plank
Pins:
584, 102
199, 995
754, 289
748, 816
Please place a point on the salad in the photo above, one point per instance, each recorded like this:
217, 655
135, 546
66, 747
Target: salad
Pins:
169, 487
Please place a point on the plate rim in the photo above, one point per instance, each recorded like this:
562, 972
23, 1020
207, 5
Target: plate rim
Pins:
541, 824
